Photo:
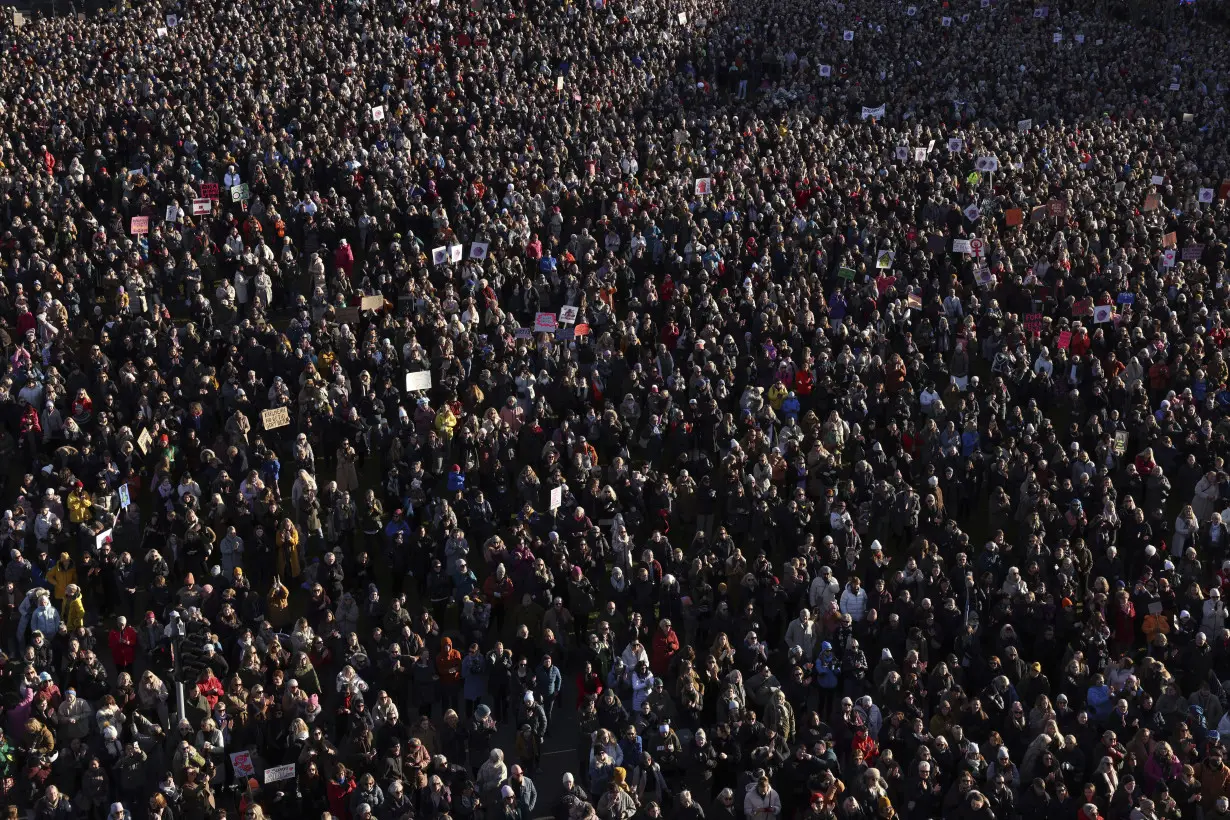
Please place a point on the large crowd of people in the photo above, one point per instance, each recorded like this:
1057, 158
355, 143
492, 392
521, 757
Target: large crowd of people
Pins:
817, 410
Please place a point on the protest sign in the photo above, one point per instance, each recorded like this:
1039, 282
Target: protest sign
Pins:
1151, 202
172, 21
1205, 195
987, 164
454, 253
1024, 125
703, 186
846, 273
557, 497
1170, 240
103, 537
377, 113
1033, 324
1157, 179
1168, 258
1192, 253
972, 212
439, 256
202, 206
960, 246
902, 152
1103, 314
826, 71
209, 190
125, 496
144, 440
568, 314
275, 418
418, 381
848, 36
276, 774
1014, 216
545, 323
884, 259
946, 22
920, 154
478, 250
372, 302
877, 112
1121, 442
240, 193
140, 225
1065, 339
241, 762
955, 144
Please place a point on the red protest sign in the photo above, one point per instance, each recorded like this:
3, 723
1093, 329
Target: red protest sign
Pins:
209, 190
140, 225
1065, 339
1033, 323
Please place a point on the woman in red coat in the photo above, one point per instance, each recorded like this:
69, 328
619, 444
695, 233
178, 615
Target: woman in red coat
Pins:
339, 789
123, 642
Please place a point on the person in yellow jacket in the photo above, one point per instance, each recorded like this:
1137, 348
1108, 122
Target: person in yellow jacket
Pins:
777, 394
61, 576
73, 611
446, 422
80, 505
287, 541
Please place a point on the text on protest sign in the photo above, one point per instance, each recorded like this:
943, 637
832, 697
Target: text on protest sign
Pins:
418, 381
275, 418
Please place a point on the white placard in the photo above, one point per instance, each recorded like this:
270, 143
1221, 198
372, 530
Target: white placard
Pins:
439, 256
1168, 257
559, 83
172, 214
1205, 195
275, 774
377, 113
1174, 86
920, 154
102, 538
1024, 125
877, 112
202, 206
703, 186
557, 497
545, 322
1103, 314
826, 71
903, 152
162, 31
848, 36
972, 212
418, 381
478, 250
568, 314
946, 22
454, 253
1157, 179
955, 144
960, 246
683, 18
125, 497
1079, 38
911, 11
1057, 37
987, 165
172, 21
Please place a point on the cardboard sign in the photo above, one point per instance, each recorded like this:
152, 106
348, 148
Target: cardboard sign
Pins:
1192, 253
202, 206
1103, 314
279, 773
884, 259
1151, 202
1157, 179
1033, 324
275, 418
144, 440
1064, 340
478, 250
568, 314
209, 190
140, 225
240, 192
372, 303
557, 497
346, 315
914, 301
704, 186
418, 381
125, 497
241, 762
1014, 216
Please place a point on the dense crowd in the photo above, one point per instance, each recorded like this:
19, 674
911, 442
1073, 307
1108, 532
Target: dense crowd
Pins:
817, 409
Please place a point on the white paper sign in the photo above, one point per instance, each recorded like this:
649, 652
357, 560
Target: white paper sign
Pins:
848, 36
478, 250
703, 186
1168, 257
955, 145
1205, 195
877, 112
568, 314
1057, 37
103, 537
1157, 179
275, 774
202, 206
172, 214
172, 21
683, 18
125, 497
826, 71
911, 11
378, 113
960, 246
1174, 86
162, 31
439, 256
946, 22
920, 154
987, 164
1080, 38
545, 322
1103, 314
972, 212
1024, 125
903, 152
454, 253
418, 381
557, 497
559, 83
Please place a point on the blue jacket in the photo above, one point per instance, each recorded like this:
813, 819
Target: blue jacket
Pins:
547, 682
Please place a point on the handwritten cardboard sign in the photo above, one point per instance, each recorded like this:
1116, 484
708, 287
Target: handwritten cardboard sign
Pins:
275, 418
